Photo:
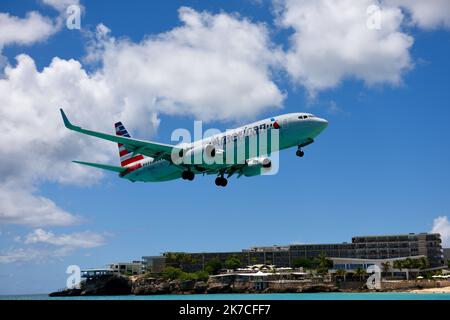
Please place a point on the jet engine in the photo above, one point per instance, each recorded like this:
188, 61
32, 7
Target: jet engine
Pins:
257, 166
199, 154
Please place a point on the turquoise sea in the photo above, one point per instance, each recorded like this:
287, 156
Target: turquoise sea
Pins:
275, 296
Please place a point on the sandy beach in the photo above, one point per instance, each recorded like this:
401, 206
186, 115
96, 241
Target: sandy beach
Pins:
432, 290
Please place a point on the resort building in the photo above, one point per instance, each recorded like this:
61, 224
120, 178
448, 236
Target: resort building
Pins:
446, 255
368, 248
95, 273
154, 263
127, 268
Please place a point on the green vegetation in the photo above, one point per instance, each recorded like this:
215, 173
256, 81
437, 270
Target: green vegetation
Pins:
408, 263
180, 259
386, 266
323, 264
302, 263
360, 272
213, 266
341, 273
172, 273
232, 263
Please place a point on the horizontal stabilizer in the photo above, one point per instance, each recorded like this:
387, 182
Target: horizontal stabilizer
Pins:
103, 166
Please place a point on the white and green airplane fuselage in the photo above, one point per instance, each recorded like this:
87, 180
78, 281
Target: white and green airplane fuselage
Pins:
242, 151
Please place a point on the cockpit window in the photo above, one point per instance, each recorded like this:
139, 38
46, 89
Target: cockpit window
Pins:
303, 117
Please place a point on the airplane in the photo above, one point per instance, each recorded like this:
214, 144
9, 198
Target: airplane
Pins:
148, 161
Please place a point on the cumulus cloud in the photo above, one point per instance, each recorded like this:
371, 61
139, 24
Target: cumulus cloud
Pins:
60, 5
426, 14
73, 240
442, 225
43, 245
23, 207
331, 42
39, 149
23, 31
35, 255
20, 255
211, 67
33, 28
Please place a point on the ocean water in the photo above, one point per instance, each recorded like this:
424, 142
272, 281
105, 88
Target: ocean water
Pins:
272, 296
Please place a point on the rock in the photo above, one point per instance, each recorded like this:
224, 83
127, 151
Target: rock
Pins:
110, 285
318, 288
200, 287
174, 286
217, 287
66, 293
187, 285
151, 287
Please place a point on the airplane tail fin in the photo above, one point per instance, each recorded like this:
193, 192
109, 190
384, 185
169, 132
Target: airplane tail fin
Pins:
126, 157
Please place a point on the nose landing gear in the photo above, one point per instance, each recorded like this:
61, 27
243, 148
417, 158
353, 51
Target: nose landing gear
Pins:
300, 152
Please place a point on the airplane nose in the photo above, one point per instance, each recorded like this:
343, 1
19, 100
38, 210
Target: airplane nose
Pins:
323, 122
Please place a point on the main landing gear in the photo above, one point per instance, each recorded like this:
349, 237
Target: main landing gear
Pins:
299, 152
221, 181
187, 175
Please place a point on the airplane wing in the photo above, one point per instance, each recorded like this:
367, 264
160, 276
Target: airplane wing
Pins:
147, 148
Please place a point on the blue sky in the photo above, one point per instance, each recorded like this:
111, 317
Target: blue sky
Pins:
380, 167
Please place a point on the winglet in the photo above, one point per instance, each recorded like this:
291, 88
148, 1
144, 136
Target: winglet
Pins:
67, 123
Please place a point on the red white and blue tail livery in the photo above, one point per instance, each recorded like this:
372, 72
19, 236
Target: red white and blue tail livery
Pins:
126, 156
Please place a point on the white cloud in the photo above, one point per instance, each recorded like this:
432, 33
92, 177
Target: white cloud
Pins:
60, 5
71, 240
23, 31
331, 42
39, 147
22, 207
35, 255
442, 225
33, 28
43, 245
426, 14
211, 67
20, 255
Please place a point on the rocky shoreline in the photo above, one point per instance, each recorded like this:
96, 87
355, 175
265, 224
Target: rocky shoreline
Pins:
121, 285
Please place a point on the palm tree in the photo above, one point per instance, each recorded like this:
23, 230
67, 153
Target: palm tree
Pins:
408, 264
323, 261
387, 267
423, 263
398, 264
341, 273
360, 272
